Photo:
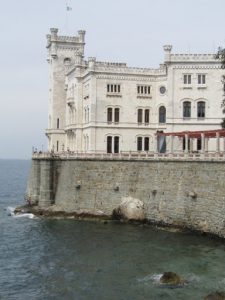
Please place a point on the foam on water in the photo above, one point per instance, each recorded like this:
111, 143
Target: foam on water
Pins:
11, 212
154, 278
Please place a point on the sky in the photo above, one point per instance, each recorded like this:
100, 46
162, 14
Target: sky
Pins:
131, 31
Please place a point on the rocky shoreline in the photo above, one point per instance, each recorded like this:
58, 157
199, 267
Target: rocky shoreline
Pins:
54, 212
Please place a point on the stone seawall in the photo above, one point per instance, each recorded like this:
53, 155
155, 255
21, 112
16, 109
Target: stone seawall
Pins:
183, 193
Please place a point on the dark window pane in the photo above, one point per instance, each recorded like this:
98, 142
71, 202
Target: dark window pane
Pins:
147, 116
57, 123
139, 143
117, 115
187, 109
139, 116
162, 114
116, 144
138, 89
203, 79
146, 144
108, 88
118, 88
109, 114
199, 144
201, 109
189, 79
109, 144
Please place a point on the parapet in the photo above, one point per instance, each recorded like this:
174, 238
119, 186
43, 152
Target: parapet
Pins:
55, 41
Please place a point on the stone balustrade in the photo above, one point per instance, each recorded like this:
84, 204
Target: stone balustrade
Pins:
131, 155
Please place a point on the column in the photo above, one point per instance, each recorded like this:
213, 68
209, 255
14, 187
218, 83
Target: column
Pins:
186, 144
203, 142
156, 144
217, 142
224, 144
171, 144
191, 145
206, 144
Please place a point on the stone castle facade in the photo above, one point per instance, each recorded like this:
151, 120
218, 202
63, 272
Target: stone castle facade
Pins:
109, 107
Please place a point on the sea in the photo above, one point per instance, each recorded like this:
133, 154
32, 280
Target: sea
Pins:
46, 259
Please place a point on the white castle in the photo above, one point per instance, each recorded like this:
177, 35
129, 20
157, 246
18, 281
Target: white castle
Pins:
105, 107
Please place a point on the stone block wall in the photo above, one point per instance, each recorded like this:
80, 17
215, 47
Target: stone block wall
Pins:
184, 193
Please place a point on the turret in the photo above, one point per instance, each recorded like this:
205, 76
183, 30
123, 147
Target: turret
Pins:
167, 51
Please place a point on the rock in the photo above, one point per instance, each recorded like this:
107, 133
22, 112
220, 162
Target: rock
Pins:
215, 296
130, 209
172, 279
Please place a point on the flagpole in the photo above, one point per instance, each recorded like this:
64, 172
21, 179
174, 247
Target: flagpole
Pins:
68, 9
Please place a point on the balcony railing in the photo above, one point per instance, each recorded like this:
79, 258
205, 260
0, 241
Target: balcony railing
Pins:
131, 155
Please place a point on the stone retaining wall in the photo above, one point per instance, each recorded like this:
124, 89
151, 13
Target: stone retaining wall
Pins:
184, 193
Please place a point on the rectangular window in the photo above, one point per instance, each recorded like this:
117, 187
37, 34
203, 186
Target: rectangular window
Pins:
146, 145
201, 79
57, 146
187, 79
109, 144
109, 115
147, 116
139, 143
58, 123
143, 90
116, 144
139, 117
113, 88
116, 115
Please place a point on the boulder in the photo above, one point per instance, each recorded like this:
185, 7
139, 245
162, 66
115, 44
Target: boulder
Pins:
130, 209
215, 296
171, 279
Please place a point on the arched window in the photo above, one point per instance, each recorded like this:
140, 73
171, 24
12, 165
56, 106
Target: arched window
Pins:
116, 115
139, 143
186, 109
146, 144
162, 114
109, 144
139, 115
147, 116
201, 109
109, 115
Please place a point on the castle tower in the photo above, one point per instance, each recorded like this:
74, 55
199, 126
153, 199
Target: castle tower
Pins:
63, 53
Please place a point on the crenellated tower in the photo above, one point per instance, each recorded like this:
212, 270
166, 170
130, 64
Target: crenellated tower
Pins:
63, 52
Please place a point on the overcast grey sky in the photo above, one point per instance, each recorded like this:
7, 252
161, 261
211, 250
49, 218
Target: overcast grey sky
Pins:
117, 30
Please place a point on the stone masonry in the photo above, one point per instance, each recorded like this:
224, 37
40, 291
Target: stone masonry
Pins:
184, 193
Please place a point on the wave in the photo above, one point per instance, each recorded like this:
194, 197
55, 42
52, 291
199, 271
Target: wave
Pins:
11, 212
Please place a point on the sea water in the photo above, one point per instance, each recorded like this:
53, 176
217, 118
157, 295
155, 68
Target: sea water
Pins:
68, 259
